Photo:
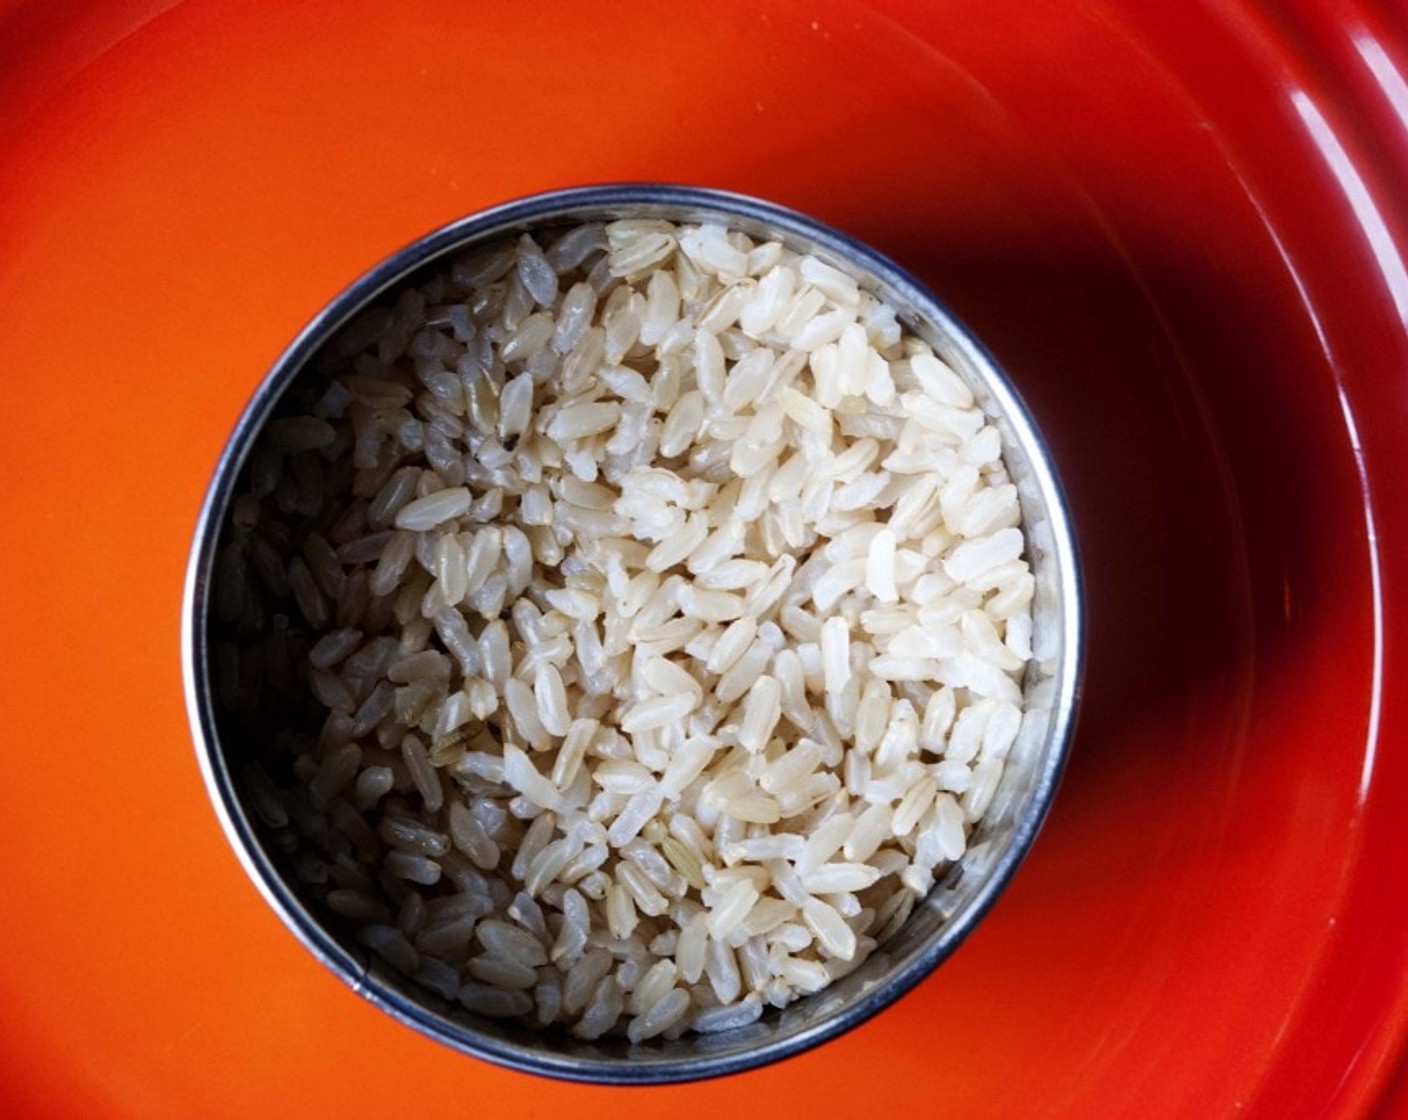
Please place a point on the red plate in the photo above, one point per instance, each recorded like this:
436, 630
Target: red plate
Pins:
1179, 225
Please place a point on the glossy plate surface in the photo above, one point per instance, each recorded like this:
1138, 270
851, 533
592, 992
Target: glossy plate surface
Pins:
1180, 228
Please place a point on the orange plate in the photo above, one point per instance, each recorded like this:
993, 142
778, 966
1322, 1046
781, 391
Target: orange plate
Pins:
1173, 222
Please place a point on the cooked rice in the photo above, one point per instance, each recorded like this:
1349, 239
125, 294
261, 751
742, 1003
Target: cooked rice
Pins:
632, 622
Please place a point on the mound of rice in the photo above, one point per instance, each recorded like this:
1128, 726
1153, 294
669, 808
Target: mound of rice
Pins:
628, 624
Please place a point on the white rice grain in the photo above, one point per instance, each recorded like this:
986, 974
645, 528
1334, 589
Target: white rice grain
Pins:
836, 939
761, 710
434, 509
836, 653
658, 711
520, 773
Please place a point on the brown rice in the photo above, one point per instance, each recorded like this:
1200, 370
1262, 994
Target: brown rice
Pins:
633, 622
